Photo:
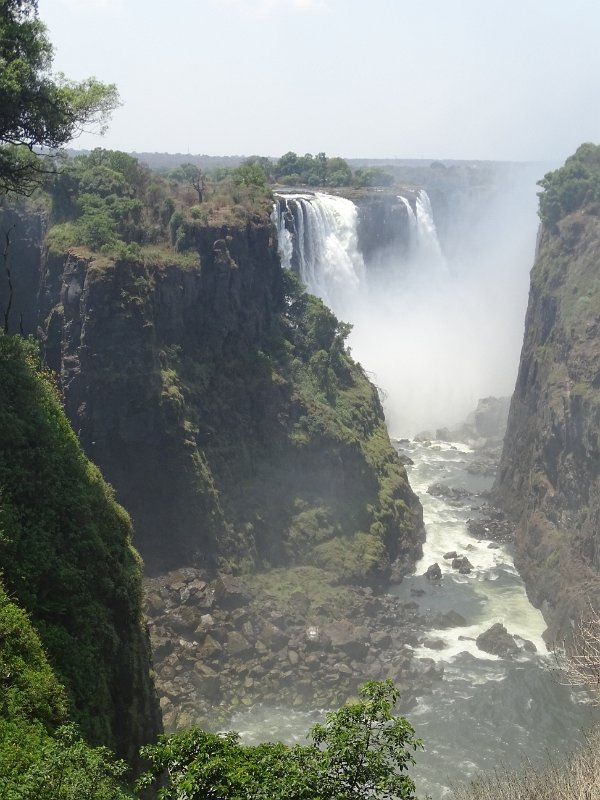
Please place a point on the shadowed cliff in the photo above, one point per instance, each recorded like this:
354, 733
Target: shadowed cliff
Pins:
549, 477
222, 404
67, 559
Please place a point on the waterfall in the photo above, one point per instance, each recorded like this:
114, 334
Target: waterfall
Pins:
428, 244
317, 237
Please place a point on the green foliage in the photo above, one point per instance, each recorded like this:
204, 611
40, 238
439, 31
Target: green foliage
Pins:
372, 176
310, 170
101, 197
38, 109
64, 545
249, 175
29, 689
571, 186
361, 751
64, 767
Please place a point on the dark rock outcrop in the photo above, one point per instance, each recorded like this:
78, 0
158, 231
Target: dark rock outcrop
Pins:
549, 476
194, 388
499, 642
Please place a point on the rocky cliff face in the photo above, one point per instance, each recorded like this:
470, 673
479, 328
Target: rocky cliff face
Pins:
549, 476
222, 406
67, 559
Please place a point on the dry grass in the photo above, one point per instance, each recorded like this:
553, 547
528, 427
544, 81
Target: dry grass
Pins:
580, 662
575, 778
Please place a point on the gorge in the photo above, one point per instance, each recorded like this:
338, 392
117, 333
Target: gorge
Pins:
283, 543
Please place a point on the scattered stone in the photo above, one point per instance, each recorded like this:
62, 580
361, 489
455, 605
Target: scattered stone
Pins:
497, 641
462, 564
433, 572
451, 555
451, 495
381, 639
424, 437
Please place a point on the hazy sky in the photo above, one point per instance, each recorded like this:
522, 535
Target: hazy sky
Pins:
473, 79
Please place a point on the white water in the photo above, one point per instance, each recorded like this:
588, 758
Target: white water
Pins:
329, 262
436, 332
486, 711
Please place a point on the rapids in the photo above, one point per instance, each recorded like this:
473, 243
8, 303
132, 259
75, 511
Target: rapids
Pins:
437, 333
486, 711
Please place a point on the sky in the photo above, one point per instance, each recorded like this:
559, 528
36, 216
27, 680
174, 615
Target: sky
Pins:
515, 80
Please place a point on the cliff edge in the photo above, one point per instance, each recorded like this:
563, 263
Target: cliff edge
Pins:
549, 475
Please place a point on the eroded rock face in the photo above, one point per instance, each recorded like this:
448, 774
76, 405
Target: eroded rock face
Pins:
180, 391
549, 475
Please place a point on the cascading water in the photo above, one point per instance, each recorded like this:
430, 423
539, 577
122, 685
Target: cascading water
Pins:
428, 249
318, 237
428, 329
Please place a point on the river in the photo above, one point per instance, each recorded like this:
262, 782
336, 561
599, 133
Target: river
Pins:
486, 711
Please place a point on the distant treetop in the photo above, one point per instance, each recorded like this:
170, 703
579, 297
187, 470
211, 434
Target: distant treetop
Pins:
571, 186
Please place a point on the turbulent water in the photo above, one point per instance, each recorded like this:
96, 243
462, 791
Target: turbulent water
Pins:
437, 333
486, 711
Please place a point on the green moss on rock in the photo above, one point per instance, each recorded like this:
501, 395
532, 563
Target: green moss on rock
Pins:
66, 554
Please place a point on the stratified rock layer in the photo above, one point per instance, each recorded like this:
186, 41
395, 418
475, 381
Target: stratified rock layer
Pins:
221, 404
549, 476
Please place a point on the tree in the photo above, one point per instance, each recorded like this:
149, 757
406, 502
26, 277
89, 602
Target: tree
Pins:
580, 660
193, 175
39, 110
361, 751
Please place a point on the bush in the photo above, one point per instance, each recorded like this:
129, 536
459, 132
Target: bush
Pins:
361, 751
570, 187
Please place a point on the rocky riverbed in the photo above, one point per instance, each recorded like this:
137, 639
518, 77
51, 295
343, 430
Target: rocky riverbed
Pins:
290, 638
219, 645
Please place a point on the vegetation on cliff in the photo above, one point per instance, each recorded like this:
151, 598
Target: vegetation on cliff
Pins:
273, 440
572, 186
66, 555
549, 470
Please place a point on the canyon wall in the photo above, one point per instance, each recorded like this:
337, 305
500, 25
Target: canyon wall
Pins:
220, 402
549, 476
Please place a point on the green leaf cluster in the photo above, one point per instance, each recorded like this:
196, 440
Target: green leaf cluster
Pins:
361, 751
39, 109
66, 555
570, 187
308, 170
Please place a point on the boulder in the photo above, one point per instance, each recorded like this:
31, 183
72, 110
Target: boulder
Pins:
433, 572
231, 592
352, 639
462, 564
497, 641
238, 644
